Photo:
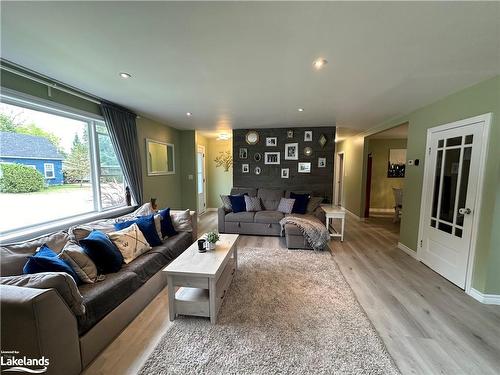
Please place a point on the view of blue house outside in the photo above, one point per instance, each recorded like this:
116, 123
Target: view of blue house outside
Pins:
46, 167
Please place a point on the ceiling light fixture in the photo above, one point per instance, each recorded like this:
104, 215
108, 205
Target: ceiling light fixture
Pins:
223, 137
319, 63
300, 109
189, 114
125, 75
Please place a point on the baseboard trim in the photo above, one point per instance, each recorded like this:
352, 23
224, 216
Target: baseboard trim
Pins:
353, 214
382, 210
211, 209
487, 299
407, 250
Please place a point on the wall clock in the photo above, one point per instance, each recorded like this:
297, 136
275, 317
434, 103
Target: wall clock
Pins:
252, 137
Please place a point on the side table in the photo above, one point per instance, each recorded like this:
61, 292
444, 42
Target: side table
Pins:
332, 213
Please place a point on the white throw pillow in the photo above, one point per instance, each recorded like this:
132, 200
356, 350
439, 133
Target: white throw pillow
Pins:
157, 219
130, 241
182, 221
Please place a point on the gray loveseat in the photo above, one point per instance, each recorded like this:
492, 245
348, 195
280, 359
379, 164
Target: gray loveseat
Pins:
267, 221
38, 322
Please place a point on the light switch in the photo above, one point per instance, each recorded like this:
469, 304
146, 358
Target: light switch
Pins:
190, 177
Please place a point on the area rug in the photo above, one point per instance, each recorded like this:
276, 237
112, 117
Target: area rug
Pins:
286, 312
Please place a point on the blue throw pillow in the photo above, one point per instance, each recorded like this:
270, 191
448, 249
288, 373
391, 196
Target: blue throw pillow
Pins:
167, 228
147, 226
238, 203
102, 251
300, 205
46, 260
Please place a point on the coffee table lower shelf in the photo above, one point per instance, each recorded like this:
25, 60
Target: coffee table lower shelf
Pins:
192, 301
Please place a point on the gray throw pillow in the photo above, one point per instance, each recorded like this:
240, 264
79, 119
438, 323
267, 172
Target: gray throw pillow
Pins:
226, 202
84, 267
60, 281
252, 204
313, 203
286, 205
181, 220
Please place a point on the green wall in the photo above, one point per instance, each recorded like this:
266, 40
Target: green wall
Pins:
479, 99
188, 169
166, 189
381, 195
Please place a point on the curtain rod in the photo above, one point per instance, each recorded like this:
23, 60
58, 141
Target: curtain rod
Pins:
50, 83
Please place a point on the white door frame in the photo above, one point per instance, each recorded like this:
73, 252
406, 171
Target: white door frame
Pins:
336, 178
202, 210
486, 120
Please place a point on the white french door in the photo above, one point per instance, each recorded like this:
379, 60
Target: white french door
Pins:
201, 179
452, 173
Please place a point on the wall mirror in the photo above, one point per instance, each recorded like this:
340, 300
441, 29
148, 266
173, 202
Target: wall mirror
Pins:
252, 137
160, 158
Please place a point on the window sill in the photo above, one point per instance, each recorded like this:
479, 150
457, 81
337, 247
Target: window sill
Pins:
54, 226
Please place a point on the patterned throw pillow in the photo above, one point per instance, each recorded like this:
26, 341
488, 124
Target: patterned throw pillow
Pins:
181, 221
252, 204
226, 202
84, 267
286, 205
130, 241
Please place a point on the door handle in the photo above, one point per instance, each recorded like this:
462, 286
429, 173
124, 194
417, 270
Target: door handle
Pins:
464, 211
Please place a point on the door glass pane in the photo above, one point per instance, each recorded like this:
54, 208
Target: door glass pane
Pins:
458, 232
441, 143
455, 141
464, 181
449, 187
200, 172
433, 223
468, 139
436, 183
445, 227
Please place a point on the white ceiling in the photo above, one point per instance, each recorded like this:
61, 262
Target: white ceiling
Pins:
249, 64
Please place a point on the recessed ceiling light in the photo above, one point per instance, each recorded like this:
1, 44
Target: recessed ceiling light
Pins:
300, 109
223, 137
125, 75
189, 114
319, 63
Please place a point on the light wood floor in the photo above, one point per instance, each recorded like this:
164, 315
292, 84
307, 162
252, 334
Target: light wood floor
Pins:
428, 325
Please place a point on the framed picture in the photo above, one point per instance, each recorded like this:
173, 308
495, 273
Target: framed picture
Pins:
243, 152
245, 168
291, 151
304, 167
257, 157
289, 134
308, 136
285, 172
257, 170
321, 162
271, 141
397, 163
252, 137
271, 158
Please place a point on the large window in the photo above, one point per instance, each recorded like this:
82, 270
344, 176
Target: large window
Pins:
54, 165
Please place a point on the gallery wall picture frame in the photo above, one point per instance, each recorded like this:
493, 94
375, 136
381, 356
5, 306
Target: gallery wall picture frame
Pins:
304, 167
308, 136
257, 157
321, 162
245, 168
289, 134
308, 151
291, 151
271, 141
272, 158
257, 170
243, 153
322, 140
285, 172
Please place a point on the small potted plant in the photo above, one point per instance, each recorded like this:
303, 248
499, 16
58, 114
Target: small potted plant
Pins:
212, 238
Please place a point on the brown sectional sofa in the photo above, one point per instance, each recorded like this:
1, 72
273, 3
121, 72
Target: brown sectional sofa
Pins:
267, 221
38, 322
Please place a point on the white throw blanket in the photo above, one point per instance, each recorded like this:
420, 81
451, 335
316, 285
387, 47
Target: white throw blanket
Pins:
313, 230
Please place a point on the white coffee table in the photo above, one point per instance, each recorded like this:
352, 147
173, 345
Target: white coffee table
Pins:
332, 213
203, 278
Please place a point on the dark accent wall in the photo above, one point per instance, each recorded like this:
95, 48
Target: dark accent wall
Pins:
319, 181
